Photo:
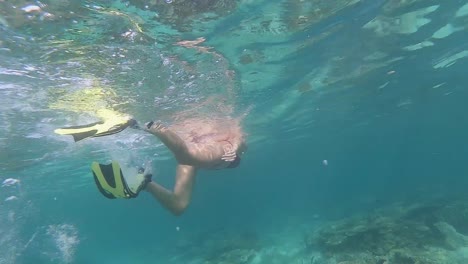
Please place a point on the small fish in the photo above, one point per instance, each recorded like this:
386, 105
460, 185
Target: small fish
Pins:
10, 182
11, 198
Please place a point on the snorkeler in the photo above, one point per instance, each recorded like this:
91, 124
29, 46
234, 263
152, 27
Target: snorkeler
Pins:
196, 144
201, 144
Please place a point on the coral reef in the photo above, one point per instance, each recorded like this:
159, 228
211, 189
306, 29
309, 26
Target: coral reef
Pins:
233, 248
424, 233
218, 246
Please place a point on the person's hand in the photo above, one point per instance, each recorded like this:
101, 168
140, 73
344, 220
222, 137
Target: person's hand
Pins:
229, 153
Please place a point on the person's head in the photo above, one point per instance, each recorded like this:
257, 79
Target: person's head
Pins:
240, 151
242, 148
235, 163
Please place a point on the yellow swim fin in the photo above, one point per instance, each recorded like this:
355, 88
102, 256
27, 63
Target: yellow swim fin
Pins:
112, 123
112, 184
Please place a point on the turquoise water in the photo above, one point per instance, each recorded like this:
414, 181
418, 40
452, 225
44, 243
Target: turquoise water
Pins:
354, 114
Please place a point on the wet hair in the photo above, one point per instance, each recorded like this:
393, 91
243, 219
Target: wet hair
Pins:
234, 163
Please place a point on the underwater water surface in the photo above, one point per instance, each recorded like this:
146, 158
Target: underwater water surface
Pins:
354, 113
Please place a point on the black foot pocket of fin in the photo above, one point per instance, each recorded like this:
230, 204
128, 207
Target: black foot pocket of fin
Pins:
111, 182
142, 179
79, 136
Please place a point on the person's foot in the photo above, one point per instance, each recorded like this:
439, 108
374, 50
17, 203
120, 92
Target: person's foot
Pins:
154, 126
145, 182
144, 178
132, 123
148, 168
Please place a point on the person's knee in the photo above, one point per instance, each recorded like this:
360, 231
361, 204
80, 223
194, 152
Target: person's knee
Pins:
180, 207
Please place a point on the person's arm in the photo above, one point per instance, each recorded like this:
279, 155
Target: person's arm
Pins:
178, 200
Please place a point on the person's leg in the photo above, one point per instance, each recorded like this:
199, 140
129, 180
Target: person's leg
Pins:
178, 200
170, 139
